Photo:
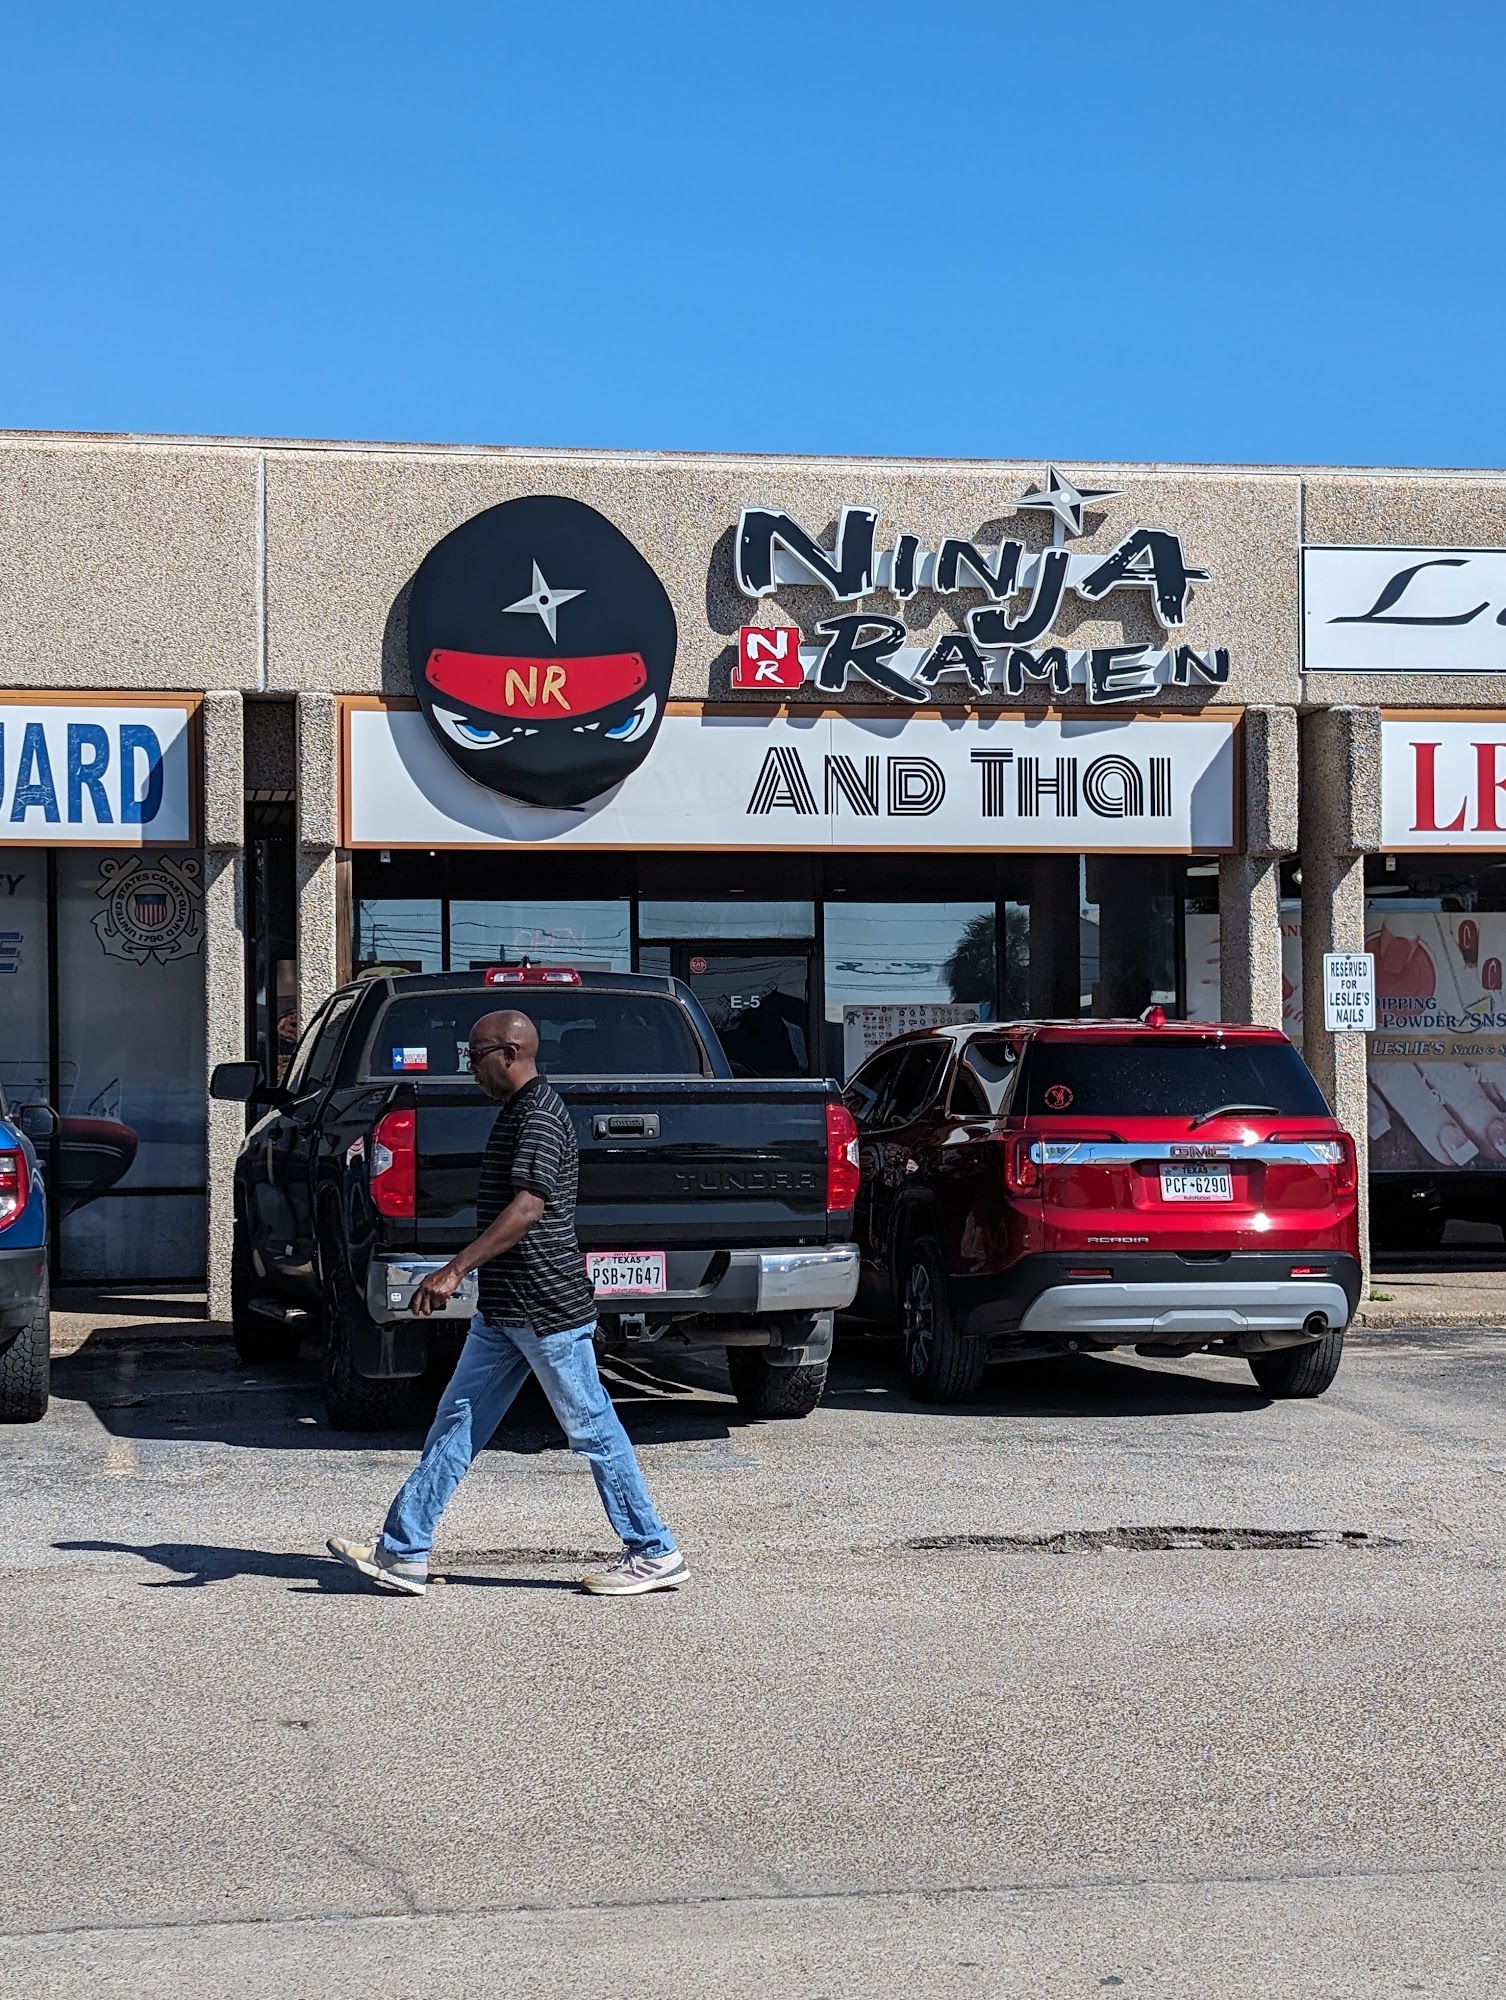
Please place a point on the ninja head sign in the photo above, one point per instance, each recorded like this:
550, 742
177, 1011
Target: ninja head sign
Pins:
542, 646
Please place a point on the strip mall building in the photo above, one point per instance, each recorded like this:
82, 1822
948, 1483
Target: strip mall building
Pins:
848, 744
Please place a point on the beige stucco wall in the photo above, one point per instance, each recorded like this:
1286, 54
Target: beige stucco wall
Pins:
127, 565
266, 567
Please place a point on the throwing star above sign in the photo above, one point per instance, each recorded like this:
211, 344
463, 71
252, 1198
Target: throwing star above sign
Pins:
1065, 502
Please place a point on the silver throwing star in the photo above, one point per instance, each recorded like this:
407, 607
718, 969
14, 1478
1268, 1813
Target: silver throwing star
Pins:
546, 600
1064, 501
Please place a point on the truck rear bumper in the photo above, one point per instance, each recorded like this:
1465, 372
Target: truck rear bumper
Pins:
739, 1284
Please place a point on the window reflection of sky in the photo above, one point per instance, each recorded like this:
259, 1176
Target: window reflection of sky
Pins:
887, 953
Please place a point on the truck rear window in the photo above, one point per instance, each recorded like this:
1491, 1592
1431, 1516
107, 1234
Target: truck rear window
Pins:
1161, 1076
581, 1033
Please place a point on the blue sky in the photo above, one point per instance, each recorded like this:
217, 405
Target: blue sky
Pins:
1209, 232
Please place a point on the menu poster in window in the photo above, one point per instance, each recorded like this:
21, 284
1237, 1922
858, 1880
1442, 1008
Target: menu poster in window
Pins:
866, 1029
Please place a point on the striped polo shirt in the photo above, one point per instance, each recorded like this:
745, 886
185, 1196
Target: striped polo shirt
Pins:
542, 1278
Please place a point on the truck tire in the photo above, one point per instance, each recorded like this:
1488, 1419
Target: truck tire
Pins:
765, 1391
355, 1402
257, 1338
26, 1366
1300, 1371
940, 1366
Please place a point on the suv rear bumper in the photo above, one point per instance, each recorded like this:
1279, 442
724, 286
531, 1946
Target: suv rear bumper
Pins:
1160, 1295
23, 1279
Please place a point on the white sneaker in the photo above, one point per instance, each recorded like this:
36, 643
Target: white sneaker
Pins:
631, 1576
410, 1578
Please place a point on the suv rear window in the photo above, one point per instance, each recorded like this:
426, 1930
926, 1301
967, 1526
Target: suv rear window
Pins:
1163, 1076
581, 1032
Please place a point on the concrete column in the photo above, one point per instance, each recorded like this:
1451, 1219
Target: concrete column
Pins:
1249, 884
1340, 826
224, 971
318, 842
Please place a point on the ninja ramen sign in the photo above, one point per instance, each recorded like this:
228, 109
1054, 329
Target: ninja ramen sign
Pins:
1000, 643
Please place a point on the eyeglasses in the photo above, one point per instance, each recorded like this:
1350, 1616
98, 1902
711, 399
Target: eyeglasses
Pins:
492, 1048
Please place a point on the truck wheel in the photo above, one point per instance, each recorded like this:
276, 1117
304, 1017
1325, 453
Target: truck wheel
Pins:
355, 1402
765, 1391
940, 1365
1300, 1371
25, 1368
257, 1338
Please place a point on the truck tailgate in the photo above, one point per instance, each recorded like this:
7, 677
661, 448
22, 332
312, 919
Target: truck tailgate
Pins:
677, 1162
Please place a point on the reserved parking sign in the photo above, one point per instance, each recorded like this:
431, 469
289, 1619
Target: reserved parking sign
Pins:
1349, 991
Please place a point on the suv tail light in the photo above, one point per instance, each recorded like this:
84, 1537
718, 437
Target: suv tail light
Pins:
531, 975
1024, 1157
841, 1158
1333, 1152
15, 1187
394, 1163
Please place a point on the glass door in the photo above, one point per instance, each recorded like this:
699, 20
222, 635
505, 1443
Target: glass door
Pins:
758, 996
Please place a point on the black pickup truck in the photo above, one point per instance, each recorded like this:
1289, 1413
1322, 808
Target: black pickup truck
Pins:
715, 1211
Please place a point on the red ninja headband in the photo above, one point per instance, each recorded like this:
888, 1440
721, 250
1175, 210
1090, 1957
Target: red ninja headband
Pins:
540, 689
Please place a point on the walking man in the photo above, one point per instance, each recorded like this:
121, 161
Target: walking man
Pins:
536, 1310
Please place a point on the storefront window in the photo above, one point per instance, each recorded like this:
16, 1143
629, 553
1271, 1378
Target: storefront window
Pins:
738, 917
594, 936
894, 966
23, 975
399, 934
129, 1066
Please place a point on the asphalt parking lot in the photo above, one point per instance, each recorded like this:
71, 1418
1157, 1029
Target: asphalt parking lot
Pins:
1121, 1679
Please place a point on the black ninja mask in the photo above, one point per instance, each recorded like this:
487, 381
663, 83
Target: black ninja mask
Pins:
542, 647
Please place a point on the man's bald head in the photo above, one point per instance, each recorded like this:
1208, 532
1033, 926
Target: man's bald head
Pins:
507, 1025
504, 1050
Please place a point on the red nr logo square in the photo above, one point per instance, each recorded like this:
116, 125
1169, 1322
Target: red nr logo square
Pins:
768, 656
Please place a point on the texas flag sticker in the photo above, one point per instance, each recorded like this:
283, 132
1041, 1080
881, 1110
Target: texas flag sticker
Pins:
410, 1058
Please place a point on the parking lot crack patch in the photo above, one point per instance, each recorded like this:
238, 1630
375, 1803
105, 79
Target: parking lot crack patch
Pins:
1090, 1541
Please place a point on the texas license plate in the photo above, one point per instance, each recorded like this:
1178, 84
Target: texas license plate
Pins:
1197, 1184
616, 1274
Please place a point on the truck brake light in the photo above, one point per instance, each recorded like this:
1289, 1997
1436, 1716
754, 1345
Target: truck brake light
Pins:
531, 975
15, 1187
841, 1159
394, 1163
1022, 1173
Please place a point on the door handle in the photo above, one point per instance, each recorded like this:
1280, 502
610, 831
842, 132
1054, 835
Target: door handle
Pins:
626, 1125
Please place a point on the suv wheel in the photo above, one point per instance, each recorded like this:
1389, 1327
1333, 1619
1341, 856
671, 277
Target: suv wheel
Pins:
940, 1365
765, 1391
25, 1368
355, 1402
257, 1338
1300, 1371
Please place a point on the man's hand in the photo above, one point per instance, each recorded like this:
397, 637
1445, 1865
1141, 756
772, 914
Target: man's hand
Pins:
435, 1291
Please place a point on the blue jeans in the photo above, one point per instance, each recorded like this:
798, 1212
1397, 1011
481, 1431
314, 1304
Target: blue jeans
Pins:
493, 1366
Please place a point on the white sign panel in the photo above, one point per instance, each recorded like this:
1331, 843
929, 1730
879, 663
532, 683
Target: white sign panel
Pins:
1443, 784
814, 778
1410, 611
865, 1028
1349, 991
99, 775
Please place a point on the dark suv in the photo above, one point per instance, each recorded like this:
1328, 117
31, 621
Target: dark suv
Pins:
1066, 1186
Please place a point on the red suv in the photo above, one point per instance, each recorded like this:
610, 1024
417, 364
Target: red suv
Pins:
1048, 1187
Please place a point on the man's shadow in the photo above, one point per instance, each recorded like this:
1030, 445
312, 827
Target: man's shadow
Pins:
195, 1564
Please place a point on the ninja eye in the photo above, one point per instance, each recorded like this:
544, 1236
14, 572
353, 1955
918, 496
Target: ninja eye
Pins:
469, 735
635, 725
